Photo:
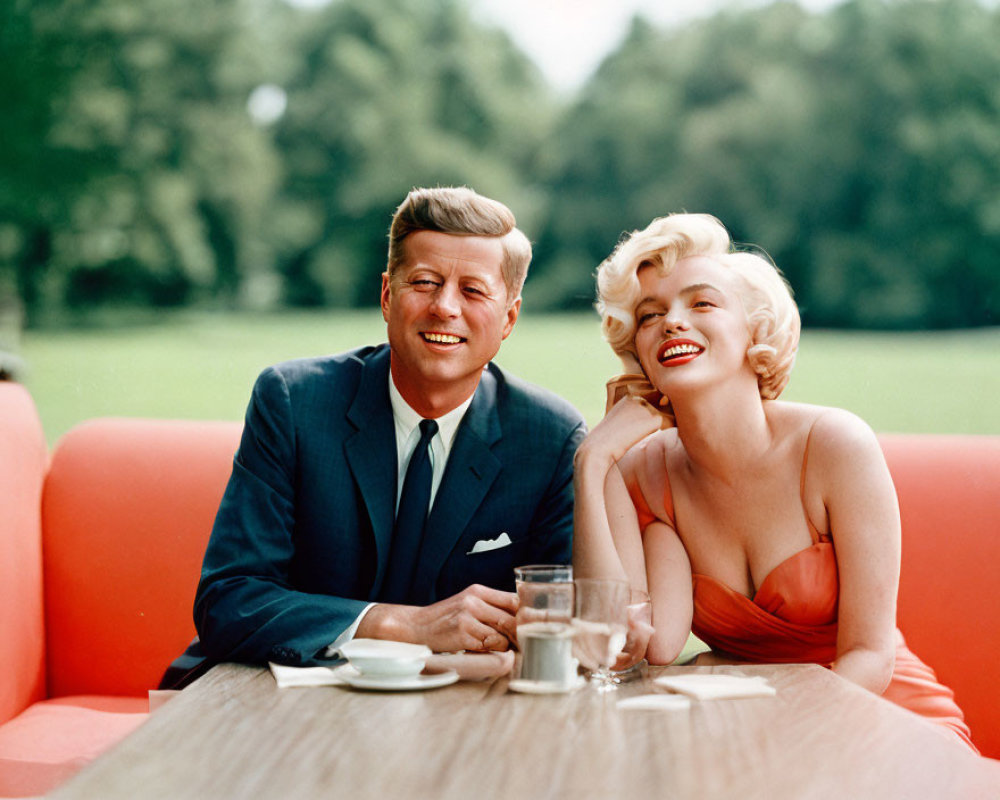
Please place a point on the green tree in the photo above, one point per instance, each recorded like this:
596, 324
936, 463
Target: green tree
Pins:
855, 146
387, 95
38, 177
149, 170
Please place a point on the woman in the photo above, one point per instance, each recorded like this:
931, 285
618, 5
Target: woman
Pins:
769, 528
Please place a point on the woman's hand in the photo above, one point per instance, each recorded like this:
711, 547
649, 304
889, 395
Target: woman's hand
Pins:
640, 631
631, 420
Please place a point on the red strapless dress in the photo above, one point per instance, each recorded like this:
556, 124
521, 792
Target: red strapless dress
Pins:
792, 618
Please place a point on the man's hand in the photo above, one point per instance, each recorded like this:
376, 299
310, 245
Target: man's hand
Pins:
477, 618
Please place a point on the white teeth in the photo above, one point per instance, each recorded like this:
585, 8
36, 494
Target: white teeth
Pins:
442, 338
680, 350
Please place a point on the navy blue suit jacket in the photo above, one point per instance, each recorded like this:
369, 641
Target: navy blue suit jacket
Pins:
302, 538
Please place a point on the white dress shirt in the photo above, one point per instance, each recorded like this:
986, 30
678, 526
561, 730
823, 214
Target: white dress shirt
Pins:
408, 435
407, 425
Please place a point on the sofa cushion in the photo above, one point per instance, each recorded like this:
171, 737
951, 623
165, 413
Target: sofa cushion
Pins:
949, 607
127, 510
23, 461
53, 739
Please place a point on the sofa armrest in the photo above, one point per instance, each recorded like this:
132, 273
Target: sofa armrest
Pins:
23, 461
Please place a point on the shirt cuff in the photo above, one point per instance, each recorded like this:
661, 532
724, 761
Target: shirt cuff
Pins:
332, 651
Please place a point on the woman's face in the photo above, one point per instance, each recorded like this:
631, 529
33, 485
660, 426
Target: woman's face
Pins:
691, 327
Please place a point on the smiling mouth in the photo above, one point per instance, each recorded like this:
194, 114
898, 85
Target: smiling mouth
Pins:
679, 350
442, 338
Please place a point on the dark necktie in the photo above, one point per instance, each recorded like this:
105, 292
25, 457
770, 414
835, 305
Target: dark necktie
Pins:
411, 516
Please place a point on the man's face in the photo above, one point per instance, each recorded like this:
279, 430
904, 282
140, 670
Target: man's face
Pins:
447, 312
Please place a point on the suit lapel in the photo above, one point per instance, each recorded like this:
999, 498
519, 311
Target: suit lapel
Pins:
371, 453
472, 469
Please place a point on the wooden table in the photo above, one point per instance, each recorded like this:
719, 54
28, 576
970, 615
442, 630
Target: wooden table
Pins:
234, 734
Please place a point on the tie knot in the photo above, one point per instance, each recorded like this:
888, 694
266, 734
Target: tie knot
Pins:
428, 427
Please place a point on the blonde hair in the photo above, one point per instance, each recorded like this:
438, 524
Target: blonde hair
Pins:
772, 316
463, 212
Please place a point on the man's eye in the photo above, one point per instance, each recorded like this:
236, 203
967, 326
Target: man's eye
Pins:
423, 283
474, 290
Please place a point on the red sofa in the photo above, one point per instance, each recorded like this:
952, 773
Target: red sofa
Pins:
100, 552
101, 547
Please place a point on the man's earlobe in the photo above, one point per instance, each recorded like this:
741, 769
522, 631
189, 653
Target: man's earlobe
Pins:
512, 313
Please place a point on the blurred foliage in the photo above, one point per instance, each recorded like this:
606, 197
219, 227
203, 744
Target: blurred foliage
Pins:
859, 146
384, 96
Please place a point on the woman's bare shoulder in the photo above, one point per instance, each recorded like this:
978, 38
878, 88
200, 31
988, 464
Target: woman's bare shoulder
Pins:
817, 421
830, 433
649, 451
644, 470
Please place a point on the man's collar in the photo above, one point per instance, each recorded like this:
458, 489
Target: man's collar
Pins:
407, 419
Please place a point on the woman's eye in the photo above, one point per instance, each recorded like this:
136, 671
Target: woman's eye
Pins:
704, 304
649, 316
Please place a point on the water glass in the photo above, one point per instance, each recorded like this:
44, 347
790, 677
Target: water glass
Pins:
600, 626
544, 624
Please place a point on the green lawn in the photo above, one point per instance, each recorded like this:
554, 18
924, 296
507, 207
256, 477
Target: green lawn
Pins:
202, 366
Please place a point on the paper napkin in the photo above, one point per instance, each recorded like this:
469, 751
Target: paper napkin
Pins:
716, 686
288, 677
655, 702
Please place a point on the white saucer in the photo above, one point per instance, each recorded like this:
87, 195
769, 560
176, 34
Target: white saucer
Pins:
546, 687
352, 677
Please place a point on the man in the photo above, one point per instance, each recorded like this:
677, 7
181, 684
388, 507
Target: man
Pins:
308, 549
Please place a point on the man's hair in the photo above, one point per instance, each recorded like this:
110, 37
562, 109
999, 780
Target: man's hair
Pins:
462, 212
772, 316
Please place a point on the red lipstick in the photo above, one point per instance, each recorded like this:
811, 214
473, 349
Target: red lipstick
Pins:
675, 352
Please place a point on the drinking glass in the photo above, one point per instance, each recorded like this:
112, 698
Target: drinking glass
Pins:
600, 626
544, 615
640, 624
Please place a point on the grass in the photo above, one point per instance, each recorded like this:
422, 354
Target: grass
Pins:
201, 366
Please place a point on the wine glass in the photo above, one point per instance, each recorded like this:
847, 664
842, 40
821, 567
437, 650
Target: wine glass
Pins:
600, 626
640, 626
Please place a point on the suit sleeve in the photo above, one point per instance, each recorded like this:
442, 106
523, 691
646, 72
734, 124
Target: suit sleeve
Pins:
552, 525
246, 608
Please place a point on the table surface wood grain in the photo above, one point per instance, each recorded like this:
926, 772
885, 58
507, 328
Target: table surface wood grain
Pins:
234, 734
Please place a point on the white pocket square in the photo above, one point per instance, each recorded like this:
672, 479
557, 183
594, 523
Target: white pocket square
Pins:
490, 544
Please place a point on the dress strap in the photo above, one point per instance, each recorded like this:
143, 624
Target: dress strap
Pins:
649, 478
668, 496
813, 533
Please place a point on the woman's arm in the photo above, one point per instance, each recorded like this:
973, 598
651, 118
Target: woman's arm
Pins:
606, 539
864, 520
668, 571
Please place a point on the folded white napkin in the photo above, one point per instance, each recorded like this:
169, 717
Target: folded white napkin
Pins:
716, 686
655, 702
288, 677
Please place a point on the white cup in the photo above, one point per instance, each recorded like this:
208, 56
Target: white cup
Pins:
380, 658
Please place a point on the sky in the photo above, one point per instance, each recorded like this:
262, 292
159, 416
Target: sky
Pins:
568, 39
